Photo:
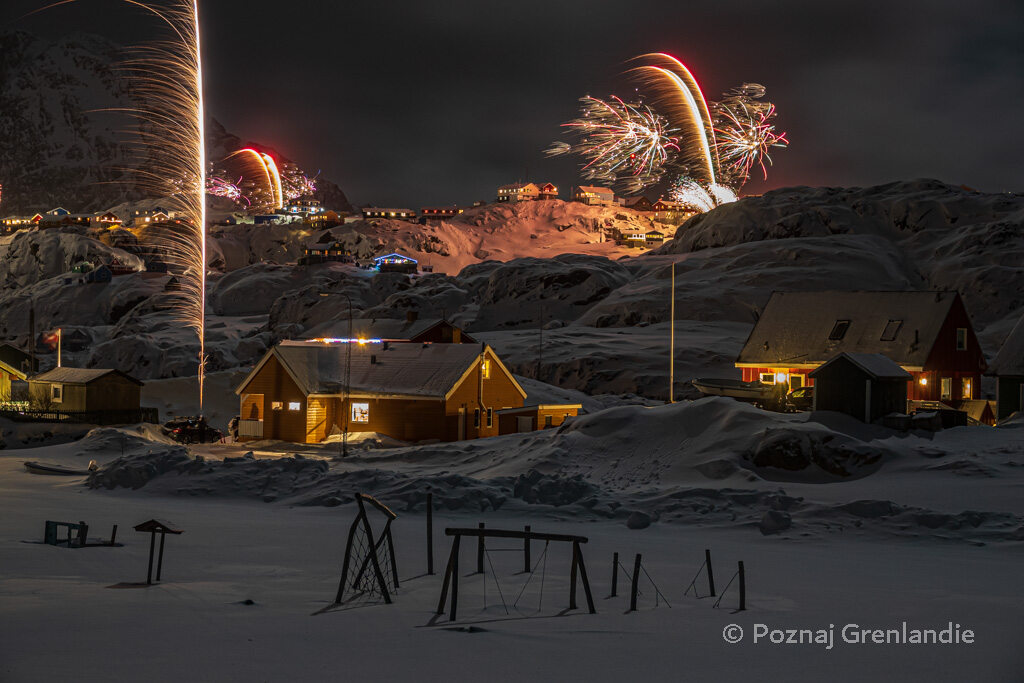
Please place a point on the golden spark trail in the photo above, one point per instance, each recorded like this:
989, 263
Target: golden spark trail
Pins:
166, 78
694, 116
271, 165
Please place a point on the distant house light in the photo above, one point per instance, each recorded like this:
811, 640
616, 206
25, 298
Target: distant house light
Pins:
294, 405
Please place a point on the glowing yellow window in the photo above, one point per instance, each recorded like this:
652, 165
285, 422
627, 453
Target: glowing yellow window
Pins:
485, 369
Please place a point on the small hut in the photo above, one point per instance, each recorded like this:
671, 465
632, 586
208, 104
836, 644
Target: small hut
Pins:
865, 385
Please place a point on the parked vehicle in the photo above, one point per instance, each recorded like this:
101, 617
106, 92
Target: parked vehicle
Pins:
191, 430
801, 398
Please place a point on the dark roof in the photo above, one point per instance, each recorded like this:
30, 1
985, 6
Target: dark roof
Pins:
78, 375
795, 327
874, 364
420, 370
390, 329
157, 526
1010, 359
15, 358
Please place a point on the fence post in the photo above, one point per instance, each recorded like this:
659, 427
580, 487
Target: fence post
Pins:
711, 574
113, 534
526, 550
743, 587
480, 550
615, 575
636, 584
430, 532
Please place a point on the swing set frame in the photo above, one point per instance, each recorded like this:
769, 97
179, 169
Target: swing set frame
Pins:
451, 572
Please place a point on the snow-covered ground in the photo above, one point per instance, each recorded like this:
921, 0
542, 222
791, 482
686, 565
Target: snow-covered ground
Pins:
924, 529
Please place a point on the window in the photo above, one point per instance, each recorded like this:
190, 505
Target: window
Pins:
839, 330
485, 369
947, 389
961, 339
57, 393
547, 421
892, 328
276, 405
796, 381
767, 378
294, 405
965, 387
361, 412
490, 417
476, 418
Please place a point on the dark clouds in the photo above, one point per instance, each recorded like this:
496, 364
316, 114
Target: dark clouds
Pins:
413, 102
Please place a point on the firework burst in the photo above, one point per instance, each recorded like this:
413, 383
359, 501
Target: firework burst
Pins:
620, 141
745, 136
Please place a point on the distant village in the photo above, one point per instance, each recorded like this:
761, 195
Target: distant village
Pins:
907, 360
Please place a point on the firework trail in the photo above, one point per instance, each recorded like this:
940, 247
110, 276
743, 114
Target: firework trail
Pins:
620, 139
295, 183
676, 85
268, 169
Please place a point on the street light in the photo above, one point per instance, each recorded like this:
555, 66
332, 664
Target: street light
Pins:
348, 375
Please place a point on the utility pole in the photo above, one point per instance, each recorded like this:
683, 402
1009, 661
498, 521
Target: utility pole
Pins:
348, 380
32, 332
672, 340
540, 343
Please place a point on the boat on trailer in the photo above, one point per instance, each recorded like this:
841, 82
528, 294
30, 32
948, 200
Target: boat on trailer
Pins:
734, 388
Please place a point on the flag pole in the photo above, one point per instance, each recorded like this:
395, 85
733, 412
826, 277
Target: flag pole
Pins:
59, 335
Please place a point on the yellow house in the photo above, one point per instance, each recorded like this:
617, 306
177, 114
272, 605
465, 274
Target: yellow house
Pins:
7, 375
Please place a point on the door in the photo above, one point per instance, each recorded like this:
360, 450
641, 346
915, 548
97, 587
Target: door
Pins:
524, 424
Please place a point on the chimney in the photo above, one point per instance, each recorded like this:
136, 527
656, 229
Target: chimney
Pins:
387, 345
411, 316
373, 359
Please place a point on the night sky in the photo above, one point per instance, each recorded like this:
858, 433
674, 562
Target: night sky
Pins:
414, 102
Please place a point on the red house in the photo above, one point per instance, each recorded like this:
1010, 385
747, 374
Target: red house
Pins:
928, 334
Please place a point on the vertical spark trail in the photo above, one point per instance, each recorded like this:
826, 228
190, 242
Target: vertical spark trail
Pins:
201, 192
166, 80
166, 77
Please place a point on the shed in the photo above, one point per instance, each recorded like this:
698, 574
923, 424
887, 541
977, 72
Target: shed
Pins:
864, 385
86, 390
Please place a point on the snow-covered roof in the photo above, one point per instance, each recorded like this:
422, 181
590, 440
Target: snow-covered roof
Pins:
418, 370
795, 327
78, 375
596, 190
1010, 359
387, 209
874, 364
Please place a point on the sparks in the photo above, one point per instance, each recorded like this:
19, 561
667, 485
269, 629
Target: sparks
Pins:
620, 141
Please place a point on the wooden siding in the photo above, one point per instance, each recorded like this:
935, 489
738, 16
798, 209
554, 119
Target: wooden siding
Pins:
112, 392
509, 422
276, 385
498, 392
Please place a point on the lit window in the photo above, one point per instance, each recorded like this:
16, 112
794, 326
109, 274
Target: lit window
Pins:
57, 392
946, 392
361, 412
892, 328
839, 330
485, 369
966, 388
294, 405
961, 339
276, 405
767, 377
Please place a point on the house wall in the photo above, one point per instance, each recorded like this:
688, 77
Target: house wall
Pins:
509, 423
499, 392
5, 385
73, 398
276, 385
944, 360
404, 419
754, 374
112, 392
1008, 396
